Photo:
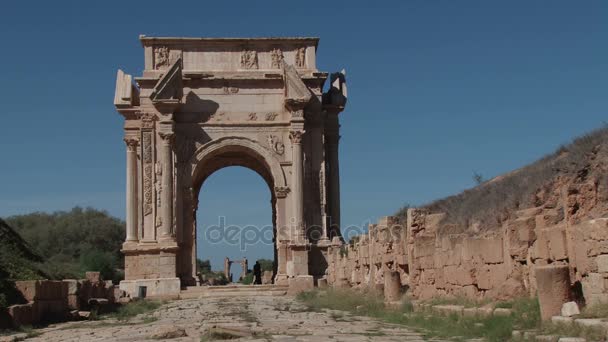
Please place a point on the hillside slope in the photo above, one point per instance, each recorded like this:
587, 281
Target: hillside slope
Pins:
579, 167
17, 262
75, 241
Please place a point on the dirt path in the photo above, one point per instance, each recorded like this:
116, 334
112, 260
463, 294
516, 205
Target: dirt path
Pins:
253, 318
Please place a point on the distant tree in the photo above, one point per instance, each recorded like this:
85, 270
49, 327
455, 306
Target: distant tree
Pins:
203, 266
478, 178
69, 242
98, 261
266, 264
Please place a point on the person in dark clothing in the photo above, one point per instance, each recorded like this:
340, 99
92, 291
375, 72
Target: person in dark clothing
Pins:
257, 273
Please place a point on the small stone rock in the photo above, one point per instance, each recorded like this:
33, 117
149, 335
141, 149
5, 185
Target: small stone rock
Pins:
168, 332
571, 339
562, 320
570, 309
503, 312
84, 314
516, 334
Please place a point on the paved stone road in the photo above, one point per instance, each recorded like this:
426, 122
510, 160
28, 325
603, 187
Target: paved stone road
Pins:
258, 318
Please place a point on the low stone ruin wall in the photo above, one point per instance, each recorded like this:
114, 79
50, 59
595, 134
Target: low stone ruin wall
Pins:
498, 264
60, 300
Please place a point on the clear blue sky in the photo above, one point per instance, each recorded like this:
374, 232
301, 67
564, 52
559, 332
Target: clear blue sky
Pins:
438, 90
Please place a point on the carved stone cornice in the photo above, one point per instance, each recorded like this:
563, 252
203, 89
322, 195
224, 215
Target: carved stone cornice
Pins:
281, 191
296, 136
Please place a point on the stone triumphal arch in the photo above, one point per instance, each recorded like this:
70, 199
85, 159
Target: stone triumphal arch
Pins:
203, 104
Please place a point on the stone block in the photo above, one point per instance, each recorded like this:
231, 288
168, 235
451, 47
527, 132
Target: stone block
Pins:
28, 289
602, 263
392, 286
546, 338
491, 276
553, 283
461, 275
558, 248
73, 302
41, 289
562, 320
570, 309
595, 323
571, 339
502, 312
22, 314
449, 309
71, 286
93, 277
593, 283
160, 287
469, 312
301, 283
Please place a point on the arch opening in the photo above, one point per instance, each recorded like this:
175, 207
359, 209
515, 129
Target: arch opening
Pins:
239, 191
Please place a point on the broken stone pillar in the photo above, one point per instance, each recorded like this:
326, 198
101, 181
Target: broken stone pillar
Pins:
392, 286
553, 283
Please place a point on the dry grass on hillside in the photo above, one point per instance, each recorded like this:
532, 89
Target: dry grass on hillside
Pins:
495, 200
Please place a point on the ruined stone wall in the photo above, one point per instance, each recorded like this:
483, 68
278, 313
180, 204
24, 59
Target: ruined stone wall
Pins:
363, 262
569, 226
58, 300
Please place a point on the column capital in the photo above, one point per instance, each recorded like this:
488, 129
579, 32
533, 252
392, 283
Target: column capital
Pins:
296, 136
132, 143
167, 137
281, 191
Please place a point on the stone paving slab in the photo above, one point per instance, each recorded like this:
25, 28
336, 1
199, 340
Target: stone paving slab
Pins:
263, 318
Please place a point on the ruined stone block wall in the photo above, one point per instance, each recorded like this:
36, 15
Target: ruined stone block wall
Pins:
568, 226
53, 300
363, 262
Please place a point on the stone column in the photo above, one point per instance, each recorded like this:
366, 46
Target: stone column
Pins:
132, 215
167, 187
332, 138
297, 196
334, 182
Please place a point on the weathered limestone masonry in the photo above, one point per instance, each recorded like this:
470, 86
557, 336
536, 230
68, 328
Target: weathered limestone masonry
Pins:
57, 300
366, 261
203, 104
568, 229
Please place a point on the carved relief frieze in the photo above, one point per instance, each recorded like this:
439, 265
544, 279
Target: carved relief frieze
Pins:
230, 90
249, 59
161, 57
301, 57
147, 120
276, 58
275, 144
296, 136
297, 113
147, 170
252, 117
271, 116
218, 117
